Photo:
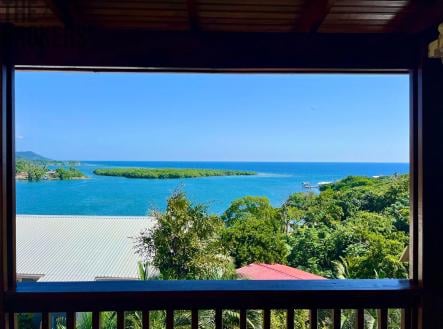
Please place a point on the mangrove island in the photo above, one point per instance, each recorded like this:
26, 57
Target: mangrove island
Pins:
165, 173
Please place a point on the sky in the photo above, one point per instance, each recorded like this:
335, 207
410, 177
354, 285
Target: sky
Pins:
213, 117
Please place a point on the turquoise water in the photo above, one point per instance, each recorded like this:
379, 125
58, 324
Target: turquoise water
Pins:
100, 195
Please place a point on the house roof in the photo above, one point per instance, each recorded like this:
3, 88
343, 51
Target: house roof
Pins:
78, 248
274, 272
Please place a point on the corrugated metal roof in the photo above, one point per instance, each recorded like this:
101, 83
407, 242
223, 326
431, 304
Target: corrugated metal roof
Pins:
78, 248
274, 272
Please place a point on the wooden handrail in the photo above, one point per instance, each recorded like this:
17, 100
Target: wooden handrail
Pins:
236, 294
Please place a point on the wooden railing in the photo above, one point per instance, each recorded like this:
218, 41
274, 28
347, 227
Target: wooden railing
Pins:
194, 296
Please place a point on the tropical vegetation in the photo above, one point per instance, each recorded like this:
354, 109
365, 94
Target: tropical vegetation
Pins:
35, 171
354, 228
165, 173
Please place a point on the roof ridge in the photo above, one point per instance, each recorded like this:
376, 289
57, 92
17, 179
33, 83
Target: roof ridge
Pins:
268, 266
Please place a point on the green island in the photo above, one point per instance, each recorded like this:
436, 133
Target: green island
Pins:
37, 170
165, 173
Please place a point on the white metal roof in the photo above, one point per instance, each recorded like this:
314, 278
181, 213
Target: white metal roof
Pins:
78, 248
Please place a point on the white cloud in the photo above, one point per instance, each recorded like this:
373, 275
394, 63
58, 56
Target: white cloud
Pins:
19, 137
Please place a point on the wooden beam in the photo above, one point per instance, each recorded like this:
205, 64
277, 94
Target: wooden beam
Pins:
62, 9
212, 52
313, 14
417, 16
7, 177
428, 105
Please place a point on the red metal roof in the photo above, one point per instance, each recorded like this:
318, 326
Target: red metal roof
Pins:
274, 272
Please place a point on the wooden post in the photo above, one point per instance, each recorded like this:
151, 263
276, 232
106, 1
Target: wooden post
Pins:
7, 175
428, 103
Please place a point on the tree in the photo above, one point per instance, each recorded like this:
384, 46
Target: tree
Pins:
258, 207
255, 239
185, 243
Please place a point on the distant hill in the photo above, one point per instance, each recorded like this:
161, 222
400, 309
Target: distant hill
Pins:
32, 156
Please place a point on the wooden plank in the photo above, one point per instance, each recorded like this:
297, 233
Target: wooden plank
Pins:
136, 12
145, 320
120, 320
337, 318
170, 319
383, 318
261, 21
370, 3
266, 319
356, 16
218, 319
235, 14
246, 28
290, 318
361, 9
46, 321
360, 319
313, 318
194, 319
70, 320
96, 320
250, 8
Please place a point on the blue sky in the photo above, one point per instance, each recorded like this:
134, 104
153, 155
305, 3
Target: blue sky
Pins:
213, 117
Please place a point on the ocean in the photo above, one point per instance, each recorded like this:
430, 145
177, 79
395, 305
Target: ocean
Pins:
118, 196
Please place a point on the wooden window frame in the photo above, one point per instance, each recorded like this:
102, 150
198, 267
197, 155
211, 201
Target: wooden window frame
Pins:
421, 294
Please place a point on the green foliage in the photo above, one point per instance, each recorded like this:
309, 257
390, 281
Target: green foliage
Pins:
25, 320
165, 173
68, 173
185, 243
37, 170
32, 171
255, 240
259, 207
254, 232
355, 228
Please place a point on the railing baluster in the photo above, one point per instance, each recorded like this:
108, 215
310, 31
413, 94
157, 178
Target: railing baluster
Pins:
383, 318
406, 319
313, 318
70, 320
169, 319
96, 320
290, 318
46, 320
242, 319
120, 320
218, 319
360, 318
194, 319
337, 318
145, 319
266, 319
12, 321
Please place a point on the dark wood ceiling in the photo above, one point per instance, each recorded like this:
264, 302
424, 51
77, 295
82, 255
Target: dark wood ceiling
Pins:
323, 16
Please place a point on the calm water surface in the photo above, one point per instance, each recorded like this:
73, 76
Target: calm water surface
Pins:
100, 195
